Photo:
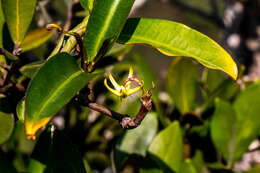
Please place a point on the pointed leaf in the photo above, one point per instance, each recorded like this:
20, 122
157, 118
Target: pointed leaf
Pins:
18, 15
87, 4
175, 39
167, 147
6, 126
58, 80
136, 141
181, 83
36, 38
105, 23
187, 167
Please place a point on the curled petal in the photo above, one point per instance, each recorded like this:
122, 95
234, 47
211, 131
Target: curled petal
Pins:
114, 83
133, 90
116, 92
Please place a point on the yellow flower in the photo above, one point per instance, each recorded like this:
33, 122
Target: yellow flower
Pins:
125, 89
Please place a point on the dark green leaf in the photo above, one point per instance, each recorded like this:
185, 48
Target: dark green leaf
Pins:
58, 80
187, 167
36, 38
18, 15
105, 23
58, 153
255, 169
182, 83
87, 4
6, 126
167, 147
29, 70
175, 39
136, 141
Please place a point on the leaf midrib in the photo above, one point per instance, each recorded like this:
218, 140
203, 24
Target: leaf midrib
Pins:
55, 93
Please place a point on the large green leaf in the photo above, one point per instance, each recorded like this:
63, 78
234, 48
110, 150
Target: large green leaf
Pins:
54, 85
105, 23
136, 141
6, 126
36, 38
18, 15
87, 4
175, 39
2, 21
182, 83
167, 147
240, 123
223, 128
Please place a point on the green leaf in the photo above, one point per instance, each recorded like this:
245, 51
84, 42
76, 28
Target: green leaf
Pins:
87, 4
181, 83
58, 80
20, 110
136, 141
187, 167
36, 166
248, 123
36, 38
167, 147
29, 70
2, 21
175, 39
18, 15
224, 120
255, 169
105, 23
6, 126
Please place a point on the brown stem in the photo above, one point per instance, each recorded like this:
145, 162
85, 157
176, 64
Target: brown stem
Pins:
125, 121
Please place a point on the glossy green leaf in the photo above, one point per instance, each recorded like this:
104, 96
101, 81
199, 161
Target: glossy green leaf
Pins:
105, 23
18, 15
20, 110
224, 120
175, 39
136, 141
167, 147
36, 38
58, 80
187, 167
29, 70
87, 4
6, 126
181, 83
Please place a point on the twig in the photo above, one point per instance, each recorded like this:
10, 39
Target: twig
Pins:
125, 121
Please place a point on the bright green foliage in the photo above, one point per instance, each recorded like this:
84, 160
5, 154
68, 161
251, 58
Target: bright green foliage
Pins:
2, 21
105, 23
136, 141
36, 166
36, 38
20, 110
182, 83
18, 15
6, 126
178, 40
87, 4
54, 85
167, 147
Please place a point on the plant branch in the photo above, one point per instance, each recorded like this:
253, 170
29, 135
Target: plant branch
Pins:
125, 121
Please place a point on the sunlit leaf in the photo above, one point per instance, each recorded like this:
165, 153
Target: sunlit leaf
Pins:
20, 110
36, 38
175, 39
2, 21
36, 166
181, 83
167, 147
105, 23
136, 141
58, 80
18, 15
6, 126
